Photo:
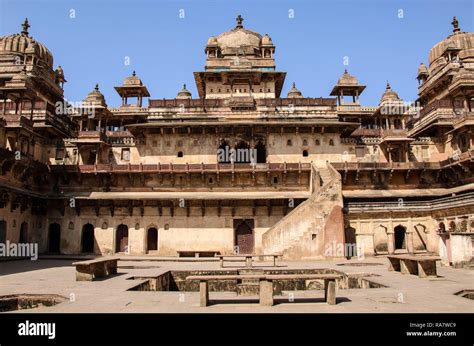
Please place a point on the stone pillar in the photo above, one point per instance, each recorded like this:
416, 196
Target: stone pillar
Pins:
330, 291
204, 293
409, 240
266, 292
390, 241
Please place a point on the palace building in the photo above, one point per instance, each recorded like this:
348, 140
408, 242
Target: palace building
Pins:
238, 167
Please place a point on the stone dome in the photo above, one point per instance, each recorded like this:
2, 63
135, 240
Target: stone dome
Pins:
24, 44
184, 93
389, 95
133, 80
212, 41
95, 98
422, 69
347, 79
294, 92
462, 41
267, 40
238, 40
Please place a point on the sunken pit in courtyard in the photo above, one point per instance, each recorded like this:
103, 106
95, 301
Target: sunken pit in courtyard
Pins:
175, 280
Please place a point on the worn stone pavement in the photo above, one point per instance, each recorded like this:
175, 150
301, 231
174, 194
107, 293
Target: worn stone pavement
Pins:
57, 276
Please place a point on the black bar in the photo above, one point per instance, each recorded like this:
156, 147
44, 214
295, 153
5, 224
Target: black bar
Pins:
243, 329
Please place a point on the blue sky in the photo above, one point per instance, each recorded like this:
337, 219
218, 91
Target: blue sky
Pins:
166, 49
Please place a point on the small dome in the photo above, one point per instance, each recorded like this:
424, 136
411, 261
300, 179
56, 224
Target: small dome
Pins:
95, 98
24, 44
184, 93
267, 40
347, 79
294, 92
389, 95
422, 69
212, 41
133, 80
59, 71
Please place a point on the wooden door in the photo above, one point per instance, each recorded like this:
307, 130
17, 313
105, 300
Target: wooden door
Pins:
244, 237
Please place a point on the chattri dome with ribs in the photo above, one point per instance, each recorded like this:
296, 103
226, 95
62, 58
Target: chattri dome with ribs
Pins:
24, 44
462, 41
95, 98
347, 79
184, 93
294, 92
389, 95
132, 80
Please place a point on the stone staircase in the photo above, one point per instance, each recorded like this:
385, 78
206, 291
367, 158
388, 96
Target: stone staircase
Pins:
310, 229
249, 287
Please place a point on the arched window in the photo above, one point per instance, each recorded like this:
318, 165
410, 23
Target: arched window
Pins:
305, 153
152, 239
87, 239
400, 242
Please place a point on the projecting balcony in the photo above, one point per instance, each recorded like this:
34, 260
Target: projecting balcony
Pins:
395, 135
17, 121
90, 137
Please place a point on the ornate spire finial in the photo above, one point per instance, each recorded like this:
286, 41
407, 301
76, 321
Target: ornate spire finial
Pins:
96, 87
184, 86
388, 86
133, 73
25, 27
345, 71
455, 24
239, 20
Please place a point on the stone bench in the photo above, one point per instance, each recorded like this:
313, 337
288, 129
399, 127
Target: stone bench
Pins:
96, 268
423, 266
266, 285
197, 253
248, 258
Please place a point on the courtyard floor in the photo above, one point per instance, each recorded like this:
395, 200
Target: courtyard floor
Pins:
404, 293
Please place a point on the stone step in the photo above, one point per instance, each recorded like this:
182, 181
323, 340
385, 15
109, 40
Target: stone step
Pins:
250, 271
248, 289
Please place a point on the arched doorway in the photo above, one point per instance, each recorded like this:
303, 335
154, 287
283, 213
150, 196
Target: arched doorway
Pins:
3, 232
54, 238
87, 239
350, 241
244, 239
400, 237
152, 239
121, 238
261, 152
23, 233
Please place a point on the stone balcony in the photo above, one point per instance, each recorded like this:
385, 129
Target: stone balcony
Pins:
90, 137
17, 121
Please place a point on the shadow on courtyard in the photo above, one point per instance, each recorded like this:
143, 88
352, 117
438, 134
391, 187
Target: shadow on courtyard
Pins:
27, 265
